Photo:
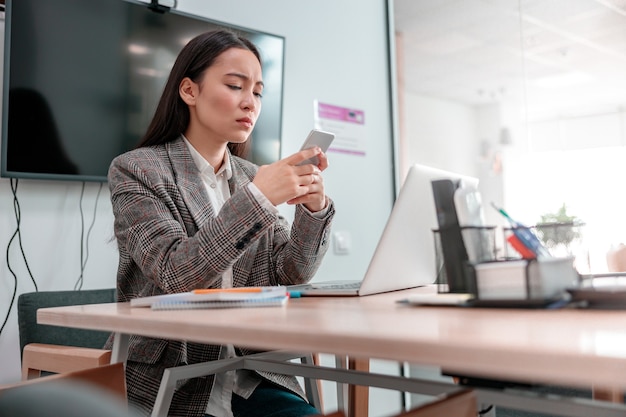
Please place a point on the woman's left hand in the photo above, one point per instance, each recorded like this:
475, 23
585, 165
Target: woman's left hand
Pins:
315, 199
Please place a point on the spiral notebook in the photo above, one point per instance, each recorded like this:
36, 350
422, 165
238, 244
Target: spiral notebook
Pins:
238, 297
191, 305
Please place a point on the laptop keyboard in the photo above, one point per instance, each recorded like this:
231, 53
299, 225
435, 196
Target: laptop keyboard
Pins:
339, 286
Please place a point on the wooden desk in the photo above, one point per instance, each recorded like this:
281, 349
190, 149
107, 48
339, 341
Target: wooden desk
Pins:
566, 347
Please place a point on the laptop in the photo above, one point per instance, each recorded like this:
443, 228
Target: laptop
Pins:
405, 254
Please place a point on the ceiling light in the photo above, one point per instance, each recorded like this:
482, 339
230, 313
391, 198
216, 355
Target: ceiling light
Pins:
563, 80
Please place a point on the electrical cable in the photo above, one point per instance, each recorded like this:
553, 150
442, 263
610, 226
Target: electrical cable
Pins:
6, 317
485, 410
18, 234
18, 219
84, 243
79, 281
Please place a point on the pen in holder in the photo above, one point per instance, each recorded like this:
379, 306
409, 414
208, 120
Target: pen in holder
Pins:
559, 239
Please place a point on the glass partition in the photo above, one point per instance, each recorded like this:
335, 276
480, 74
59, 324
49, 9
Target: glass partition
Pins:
528, 95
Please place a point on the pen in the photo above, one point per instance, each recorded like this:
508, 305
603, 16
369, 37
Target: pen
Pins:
235, 289
520, 247
525, 236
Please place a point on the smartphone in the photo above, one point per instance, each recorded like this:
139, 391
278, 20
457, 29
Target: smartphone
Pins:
317, 138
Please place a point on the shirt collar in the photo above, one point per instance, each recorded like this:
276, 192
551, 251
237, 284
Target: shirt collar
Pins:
203, 165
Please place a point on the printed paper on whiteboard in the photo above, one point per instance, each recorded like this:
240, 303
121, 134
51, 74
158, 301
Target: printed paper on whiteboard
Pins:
347, 124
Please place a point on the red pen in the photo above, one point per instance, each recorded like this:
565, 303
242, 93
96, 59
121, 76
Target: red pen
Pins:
520, 247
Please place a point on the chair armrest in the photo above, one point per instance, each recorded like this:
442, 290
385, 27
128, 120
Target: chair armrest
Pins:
39, 357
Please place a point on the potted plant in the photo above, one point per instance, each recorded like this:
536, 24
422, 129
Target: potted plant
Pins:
557, 230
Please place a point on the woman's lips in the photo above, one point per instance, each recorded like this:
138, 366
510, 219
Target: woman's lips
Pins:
246, 122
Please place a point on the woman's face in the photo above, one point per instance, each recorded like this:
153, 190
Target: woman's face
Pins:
227, 101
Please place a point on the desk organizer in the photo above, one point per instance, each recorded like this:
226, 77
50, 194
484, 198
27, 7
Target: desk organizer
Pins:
503, 280
536, 279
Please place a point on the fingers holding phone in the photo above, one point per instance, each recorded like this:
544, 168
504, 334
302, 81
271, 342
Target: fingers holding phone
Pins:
297, 179
320, 139
314, 198
286, 182
310, 156
311, 191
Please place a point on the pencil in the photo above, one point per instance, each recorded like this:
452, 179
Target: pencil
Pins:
235, 289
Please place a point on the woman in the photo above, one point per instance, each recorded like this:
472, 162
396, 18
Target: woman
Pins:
190, 213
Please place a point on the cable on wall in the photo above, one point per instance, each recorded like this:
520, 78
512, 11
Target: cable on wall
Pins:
84, 242
18, 218
18, 232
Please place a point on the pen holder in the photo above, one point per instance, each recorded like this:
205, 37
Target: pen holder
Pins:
478, 245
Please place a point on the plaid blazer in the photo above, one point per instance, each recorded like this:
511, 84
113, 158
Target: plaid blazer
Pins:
170, 240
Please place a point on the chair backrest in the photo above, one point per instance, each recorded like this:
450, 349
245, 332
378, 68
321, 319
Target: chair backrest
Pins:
31, 332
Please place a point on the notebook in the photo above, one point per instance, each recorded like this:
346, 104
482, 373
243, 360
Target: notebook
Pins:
238, 297
405, 254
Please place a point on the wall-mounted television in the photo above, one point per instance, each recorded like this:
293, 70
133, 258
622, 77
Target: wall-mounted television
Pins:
82, 79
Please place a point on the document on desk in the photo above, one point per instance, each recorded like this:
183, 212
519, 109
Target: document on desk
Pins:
237, 297
440, 299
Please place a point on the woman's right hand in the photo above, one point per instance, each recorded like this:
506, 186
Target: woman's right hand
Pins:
285, 180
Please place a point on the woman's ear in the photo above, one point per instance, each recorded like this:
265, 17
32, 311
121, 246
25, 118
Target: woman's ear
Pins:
188, 91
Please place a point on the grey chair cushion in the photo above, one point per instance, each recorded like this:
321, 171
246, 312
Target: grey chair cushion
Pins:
31, 332
62, 399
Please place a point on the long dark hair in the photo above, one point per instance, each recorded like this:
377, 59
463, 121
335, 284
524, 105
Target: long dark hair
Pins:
171, 117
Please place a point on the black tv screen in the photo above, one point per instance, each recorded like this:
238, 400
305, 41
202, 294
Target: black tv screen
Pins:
82, 79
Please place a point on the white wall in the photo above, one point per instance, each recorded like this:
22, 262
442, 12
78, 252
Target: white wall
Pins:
441, 133
455, 137
331, 56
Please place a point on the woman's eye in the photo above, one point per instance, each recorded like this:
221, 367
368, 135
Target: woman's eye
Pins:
238, 87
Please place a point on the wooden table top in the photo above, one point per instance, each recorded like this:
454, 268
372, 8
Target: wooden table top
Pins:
568, 346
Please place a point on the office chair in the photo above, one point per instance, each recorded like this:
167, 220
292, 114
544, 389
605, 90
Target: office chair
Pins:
55, 349
97, 392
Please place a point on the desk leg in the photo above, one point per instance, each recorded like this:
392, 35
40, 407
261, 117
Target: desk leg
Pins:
341, 362
318, 383
358, 395
120, 348
613, 395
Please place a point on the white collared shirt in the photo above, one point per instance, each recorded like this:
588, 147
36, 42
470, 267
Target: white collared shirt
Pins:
241, 382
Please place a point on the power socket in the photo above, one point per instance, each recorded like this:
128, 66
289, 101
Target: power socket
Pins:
343, 243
